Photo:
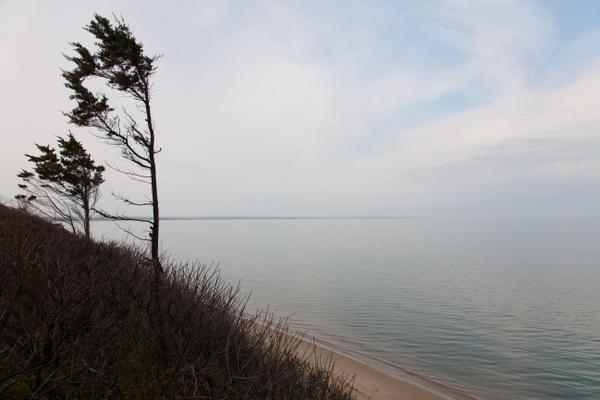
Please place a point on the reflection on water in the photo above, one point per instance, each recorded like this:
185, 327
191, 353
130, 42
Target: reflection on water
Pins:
502, 308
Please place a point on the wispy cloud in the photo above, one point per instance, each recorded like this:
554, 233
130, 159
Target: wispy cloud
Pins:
337, 108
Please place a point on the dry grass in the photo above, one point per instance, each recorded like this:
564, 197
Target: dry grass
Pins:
82, 319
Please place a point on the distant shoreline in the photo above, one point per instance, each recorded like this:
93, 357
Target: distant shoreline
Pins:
252, 218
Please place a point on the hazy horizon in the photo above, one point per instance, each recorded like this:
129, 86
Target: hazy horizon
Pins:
334, 217
415, 108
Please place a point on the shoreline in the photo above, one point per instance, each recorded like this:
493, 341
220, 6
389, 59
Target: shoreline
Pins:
372, 383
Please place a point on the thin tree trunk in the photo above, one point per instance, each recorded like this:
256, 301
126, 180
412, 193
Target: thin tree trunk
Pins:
86, 219
155, 209
85, 202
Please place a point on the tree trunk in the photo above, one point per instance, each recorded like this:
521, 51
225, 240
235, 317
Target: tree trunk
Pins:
155, 212
86, 217
151, 155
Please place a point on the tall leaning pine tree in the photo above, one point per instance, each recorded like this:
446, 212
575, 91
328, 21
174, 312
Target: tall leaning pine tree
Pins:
118, 60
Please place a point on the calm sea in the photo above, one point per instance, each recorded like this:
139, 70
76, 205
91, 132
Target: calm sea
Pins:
500, 308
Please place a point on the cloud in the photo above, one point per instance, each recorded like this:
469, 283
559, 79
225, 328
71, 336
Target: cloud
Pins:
329, 108
501, 40
566, 111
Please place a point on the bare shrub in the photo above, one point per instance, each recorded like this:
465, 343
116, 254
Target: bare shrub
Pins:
82, 319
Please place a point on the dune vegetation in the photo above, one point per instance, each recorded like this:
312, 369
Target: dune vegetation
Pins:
82, 319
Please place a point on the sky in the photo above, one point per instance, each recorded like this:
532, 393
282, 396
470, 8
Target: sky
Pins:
334, 108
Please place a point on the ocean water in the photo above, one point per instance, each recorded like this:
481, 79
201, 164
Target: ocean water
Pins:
498, 308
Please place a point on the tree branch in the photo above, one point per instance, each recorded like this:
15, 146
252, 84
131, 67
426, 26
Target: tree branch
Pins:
128, 201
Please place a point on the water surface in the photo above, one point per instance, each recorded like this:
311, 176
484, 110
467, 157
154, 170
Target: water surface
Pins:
500, 308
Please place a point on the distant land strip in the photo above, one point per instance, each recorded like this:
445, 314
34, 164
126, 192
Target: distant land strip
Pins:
242, 217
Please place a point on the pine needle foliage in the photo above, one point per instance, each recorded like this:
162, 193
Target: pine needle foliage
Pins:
64, 183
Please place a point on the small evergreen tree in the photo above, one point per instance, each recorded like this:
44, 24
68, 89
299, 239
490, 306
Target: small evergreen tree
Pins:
63, 186
119, 61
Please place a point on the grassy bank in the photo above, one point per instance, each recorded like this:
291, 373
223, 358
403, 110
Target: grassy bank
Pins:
83, 319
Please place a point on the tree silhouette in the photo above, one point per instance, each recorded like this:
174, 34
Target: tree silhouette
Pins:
63, 186
118, 60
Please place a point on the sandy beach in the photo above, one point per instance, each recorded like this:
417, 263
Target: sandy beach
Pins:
372, 384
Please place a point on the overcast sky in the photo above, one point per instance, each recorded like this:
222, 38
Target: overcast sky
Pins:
441, 108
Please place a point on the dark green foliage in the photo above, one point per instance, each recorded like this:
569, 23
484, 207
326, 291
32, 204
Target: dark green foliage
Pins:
79, 172
87, 320
62, 186
119, 61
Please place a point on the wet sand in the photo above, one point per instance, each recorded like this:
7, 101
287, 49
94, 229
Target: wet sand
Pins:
373, 384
